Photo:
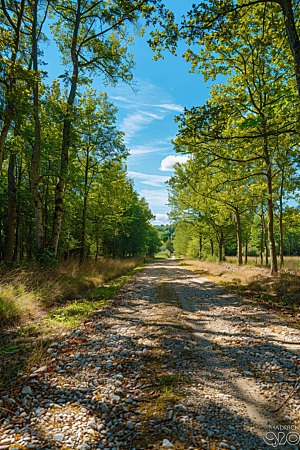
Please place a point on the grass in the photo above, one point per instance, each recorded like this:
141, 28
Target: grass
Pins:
32, 339
28, 293
169, 382
291, 263
163, 255
255, 283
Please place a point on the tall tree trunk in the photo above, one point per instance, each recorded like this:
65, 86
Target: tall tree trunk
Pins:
212, 247
293, 37
281, 221
1, 242
12, 80
267, 252
246, 252
4, 132
85, 194
221, 242
83, 228
272, 246
60, 186
239, 237
15, 257
12, 211
35, 160
46, 212
262, 237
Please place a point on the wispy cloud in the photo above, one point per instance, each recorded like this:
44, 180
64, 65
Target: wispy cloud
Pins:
135, 122
152, 180
138, 150
170, 106
168, 162
150, 103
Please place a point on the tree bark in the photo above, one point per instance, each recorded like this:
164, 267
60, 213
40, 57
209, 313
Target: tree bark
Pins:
60, 186
239, 237
293, 38
15, 257
83, 228
12, 81
46, 212
1, 242
85, 194
281, 222
272, 246
212, 247
35, 160
12, 211
221, 242
267, 253
262, 237
246, 252
4, 132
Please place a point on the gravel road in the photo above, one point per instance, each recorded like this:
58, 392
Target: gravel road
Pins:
172, 362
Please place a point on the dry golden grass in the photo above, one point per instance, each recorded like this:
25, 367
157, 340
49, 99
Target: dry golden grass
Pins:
27, 293
255, 283
291, 263
228, 271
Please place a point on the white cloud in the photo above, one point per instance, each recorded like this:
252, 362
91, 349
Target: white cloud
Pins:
150, 103
152, 180
171, 107
138, 150
160, 219
168, 162
135, 122
134, 103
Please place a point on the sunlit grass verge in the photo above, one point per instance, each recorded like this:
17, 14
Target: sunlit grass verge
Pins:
71, 315
33, 339
291, 263
29, 292
253, 283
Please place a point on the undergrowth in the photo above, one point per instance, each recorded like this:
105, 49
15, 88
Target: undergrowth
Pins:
33, 339
29, 292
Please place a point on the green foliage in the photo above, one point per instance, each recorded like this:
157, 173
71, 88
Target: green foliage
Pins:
9, 313
72, 315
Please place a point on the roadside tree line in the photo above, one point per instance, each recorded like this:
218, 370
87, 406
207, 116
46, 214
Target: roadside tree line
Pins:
243, 143
63, 183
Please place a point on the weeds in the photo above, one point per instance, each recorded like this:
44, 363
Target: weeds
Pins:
33, 339
71, 315
169, 382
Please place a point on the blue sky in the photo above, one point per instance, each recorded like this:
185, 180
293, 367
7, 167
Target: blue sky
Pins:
164, 88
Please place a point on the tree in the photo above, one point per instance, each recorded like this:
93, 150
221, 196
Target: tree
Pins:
92, 38
223, 22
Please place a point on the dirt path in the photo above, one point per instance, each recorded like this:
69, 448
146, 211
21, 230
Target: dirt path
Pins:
173, 362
